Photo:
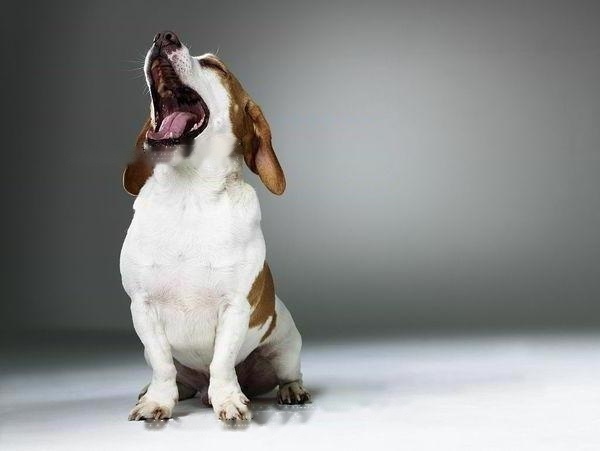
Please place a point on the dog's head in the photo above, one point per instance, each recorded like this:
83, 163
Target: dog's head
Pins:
198, 108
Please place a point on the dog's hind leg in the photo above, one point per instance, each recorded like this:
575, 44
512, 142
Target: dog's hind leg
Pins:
282, 348
185, 391
256, 375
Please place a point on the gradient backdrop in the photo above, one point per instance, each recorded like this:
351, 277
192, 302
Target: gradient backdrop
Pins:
442, 158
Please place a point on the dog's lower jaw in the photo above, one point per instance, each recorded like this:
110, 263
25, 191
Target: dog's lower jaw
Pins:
227, 399
157, 403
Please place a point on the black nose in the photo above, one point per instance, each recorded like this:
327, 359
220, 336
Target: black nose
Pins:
167, 39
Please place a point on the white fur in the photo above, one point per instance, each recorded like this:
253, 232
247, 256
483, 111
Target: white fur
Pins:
191, 254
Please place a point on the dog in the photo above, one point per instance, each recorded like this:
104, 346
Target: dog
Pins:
193, 262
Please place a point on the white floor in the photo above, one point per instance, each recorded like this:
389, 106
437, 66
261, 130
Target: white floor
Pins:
505, 393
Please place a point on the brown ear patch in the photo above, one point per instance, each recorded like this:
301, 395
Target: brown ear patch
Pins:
262, 300
135, 176
262, 158
137, 172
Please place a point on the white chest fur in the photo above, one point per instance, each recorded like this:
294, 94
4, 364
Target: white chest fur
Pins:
191, 246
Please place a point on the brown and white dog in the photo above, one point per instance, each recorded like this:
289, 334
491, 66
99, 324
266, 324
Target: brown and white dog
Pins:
193, 262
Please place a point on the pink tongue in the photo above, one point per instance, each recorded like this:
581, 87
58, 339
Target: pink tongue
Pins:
173, 126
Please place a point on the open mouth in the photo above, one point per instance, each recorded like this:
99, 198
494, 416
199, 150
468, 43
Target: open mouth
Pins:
180, 114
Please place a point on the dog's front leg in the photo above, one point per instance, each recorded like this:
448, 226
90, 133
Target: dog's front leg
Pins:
158, 401
224, 391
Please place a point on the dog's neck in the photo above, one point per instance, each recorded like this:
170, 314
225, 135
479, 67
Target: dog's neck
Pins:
208, 174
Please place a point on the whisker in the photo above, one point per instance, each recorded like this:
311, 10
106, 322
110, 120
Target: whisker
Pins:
135, 69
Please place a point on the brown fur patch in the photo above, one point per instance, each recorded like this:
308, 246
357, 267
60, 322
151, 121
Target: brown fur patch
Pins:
137, 172
271, 327
262, 300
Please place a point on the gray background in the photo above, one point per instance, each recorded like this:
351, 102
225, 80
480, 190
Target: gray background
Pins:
442, 158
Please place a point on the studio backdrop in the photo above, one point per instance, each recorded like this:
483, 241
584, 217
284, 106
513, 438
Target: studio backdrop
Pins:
442, 158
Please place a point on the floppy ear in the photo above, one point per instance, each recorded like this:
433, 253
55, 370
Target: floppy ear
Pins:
260, 157
137, 172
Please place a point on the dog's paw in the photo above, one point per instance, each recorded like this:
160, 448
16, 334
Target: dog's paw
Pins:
292, 393
233, 409
228, 401
146, 409
156, 403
